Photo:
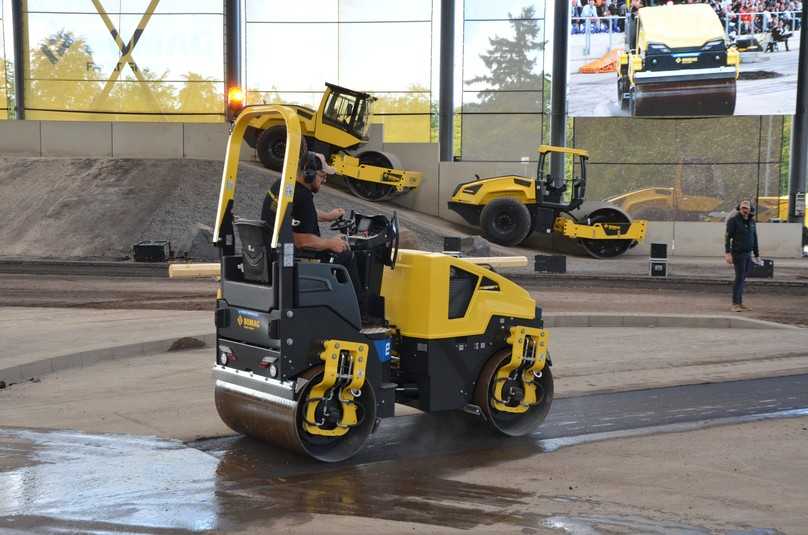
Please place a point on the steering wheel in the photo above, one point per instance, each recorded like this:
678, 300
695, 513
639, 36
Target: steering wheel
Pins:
342, 224
391, 253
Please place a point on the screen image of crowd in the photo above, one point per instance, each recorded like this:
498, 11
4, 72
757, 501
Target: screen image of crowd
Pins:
763, 35
780, 18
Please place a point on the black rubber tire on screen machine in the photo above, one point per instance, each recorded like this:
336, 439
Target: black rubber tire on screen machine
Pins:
271, 147
505, 221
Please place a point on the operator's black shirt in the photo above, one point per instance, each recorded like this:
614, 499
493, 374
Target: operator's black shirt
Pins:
304, 213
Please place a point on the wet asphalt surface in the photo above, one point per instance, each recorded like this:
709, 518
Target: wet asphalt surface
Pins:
67, 482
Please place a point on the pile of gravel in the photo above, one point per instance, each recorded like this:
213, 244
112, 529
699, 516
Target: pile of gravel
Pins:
82, 208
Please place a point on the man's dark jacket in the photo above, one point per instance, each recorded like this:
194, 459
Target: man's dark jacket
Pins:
741, 237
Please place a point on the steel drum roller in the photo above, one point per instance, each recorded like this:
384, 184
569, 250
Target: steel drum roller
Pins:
706, 97
278, 421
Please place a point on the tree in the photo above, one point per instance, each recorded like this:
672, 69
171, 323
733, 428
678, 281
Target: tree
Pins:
63, 74
510, 63
199, 95
513, 92
7, 96
407, 118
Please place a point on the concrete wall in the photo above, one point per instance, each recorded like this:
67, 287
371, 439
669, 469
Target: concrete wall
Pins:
707, 239
207, 141
115, 140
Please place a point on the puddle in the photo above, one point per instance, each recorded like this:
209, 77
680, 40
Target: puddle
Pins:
132, 481
596, 525
65, 482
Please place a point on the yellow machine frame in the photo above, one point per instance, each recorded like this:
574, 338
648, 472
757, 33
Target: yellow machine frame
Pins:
233, 153
666, 23
313, 125
481, 192
420, 315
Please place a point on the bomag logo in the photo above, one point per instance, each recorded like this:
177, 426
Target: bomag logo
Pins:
686, 61
248, 323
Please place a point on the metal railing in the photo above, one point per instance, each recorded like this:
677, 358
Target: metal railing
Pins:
587, 26
734, 23
759, 21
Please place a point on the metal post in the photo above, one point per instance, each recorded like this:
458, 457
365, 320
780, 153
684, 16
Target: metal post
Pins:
558, 124
446, 101
799, 129
232, 46
20, 54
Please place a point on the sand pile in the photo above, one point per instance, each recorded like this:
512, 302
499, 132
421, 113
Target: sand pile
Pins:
83, 208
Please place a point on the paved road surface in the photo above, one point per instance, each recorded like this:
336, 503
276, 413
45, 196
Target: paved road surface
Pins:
65, 482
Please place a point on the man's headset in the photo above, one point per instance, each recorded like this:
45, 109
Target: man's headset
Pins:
310, 167
751, 206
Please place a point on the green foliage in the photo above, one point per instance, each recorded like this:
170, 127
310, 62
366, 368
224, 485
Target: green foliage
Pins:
64, 76
506, 123
785, 155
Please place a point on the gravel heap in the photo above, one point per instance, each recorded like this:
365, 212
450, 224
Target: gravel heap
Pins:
82, 208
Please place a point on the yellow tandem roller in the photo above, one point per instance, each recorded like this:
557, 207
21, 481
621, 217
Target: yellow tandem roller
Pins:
678, 62
305, 364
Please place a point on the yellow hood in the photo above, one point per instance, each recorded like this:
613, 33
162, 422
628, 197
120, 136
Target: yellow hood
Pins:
679, 26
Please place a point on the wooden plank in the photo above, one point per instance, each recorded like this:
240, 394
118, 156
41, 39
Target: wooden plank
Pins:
195, 271
498, 261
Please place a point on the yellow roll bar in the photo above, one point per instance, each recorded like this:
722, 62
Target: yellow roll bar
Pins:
544, 149
290, 163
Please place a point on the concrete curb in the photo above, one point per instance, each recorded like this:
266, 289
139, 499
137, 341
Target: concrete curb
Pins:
681, 321
644, 281
82, 359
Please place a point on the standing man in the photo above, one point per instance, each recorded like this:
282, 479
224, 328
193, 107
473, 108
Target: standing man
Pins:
740, 243
589, 13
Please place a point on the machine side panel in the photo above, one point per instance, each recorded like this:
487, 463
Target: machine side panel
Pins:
446, 370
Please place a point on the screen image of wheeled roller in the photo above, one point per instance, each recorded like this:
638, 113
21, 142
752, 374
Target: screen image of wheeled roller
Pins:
656, 59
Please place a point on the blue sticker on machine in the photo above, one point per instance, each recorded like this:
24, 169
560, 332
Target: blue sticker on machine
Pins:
383, 349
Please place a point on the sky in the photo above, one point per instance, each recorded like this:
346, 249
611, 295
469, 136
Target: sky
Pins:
357, 52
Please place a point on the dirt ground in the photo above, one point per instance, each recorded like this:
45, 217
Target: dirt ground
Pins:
781, 305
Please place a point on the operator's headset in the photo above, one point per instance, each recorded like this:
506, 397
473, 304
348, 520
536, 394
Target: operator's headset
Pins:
311, 166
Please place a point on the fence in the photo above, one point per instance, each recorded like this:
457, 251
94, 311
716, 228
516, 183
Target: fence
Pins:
735, 24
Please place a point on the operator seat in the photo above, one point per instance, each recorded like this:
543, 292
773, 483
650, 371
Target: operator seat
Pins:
318, 283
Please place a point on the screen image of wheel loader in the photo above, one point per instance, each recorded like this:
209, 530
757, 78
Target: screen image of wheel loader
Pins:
507, 209
337, 128
305, 363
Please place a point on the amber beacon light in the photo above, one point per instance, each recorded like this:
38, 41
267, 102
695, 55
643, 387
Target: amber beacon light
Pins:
235, 101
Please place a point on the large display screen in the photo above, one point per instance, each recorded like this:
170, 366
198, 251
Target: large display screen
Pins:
657, 59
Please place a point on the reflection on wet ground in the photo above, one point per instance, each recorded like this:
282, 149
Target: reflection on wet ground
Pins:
586, 525
57, 482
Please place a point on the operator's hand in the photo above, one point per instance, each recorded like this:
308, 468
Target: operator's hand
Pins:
337, 244
335, 214
728, 258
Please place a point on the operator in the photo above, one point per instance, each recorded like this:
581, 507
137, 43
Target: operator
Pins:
740, 243
305, 217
